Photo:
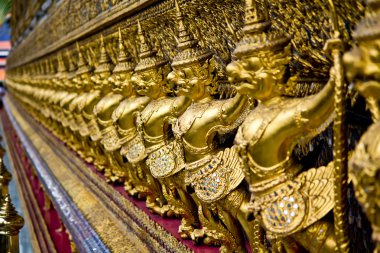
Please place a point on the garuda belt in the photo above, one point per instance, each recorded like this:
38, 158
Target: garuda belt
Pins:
215, 176
296, 204
110, 139
134, 150
167, 160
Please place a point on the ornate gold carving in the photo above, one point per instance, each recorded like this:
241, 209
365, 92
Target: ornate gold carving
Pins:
164, 127
362, 68
282, 197
109, 230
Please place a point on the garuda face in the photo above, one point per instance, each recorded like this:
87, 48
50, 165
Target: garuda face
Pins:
148, 83
101, 79
251, 77
191, 80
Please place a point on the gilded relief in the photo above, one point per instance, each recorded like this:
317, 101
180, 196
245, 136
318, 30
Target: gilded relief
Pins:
201, 110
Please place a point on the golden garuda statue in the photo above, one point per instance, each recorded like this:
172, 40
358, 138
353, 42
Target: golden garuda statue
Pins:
241, 135
289, 201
